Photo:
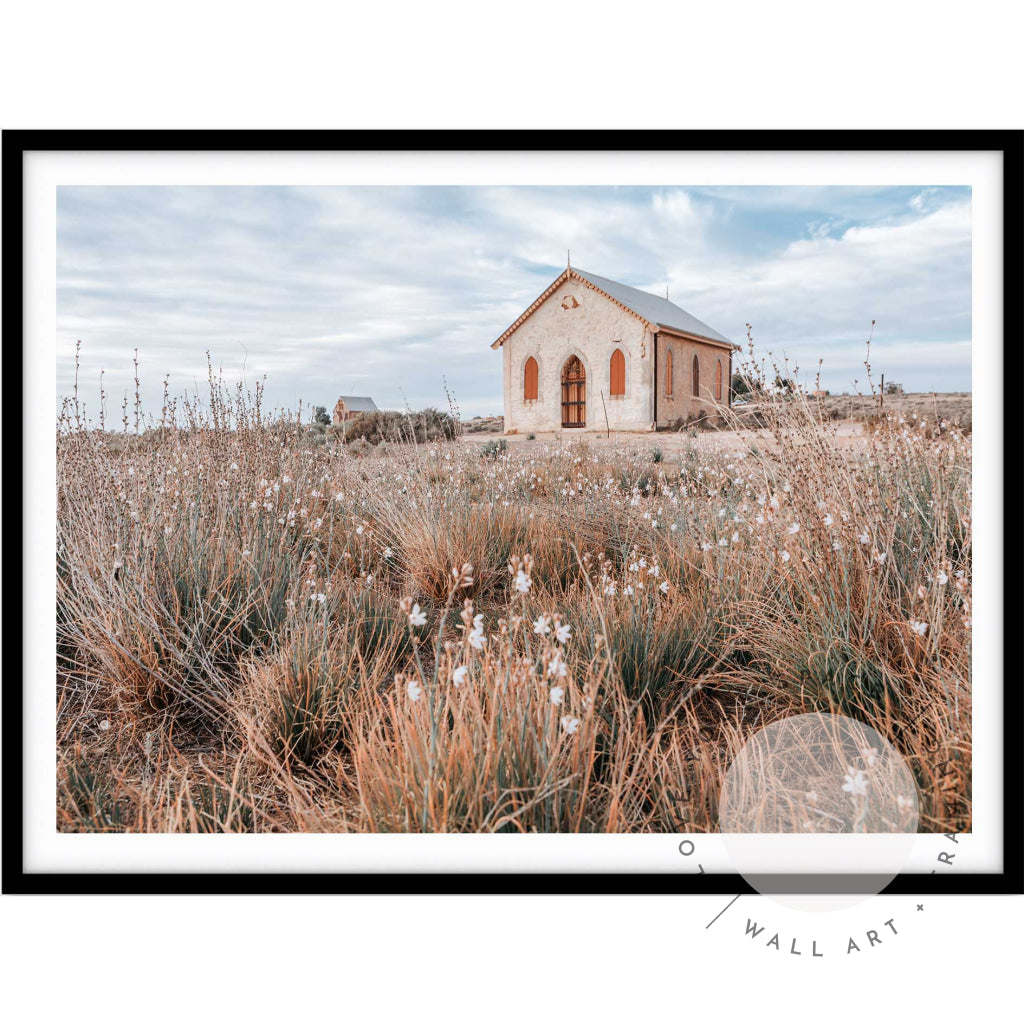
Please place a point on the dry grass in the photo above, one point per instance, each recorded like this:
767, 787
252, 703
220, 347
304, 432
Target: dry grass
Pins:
238, 648
937, 412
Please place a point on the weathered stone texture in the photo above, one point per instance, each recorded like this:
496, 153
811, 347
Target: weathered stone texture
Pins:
577, 320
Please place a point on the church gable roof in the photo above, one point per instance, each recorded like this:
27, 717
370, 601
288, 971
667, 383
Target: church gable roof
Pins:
355, 403
655, 311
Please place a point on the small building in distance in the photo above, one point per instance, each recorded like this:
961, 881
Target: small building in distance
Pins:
348, 407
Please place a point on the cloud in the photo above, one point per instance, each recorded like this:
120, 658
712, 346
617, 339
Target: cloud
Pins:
391, 291
923, 201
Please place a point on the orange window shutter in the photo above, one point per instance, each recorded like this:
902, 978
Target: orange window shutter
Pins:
530, 381
618, 373
718, 381
668, 372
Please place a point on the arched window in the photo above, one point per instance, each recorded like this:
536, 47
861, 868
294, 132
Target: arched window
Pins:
696, 377
668, 372
718, 381
618, 374
530, 380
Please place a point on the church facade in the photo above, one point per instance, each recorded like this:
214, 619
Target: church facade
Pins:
591, 354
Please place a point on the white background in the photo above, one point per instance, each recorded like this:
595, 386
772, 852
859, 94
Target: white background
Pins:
48, 850
526, 65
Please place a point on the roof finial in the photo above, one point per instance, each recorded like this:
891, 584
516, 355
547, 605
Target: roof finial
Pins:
666, 293
568, 259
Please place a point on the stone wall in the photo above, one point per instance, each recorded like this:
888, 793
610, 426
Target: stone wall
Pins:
576, 320
682, 404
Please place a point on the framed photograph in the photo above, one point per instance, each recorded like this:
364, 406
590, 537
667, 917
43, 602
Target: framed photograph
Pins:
511, 512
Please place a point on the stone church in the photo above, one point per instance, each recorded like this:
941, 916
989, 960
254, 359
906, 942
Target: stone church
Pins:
590, 353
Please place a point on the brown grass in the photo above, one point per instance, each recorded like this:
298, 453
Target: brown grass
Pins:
238, 651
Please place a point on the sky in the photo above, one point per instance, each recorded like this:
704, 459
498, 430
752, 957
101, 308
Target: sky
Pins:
395, 292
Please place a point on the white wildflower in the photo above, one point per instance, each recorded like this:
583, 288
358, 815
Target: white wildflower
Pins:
855, 783
476, 636
557, 667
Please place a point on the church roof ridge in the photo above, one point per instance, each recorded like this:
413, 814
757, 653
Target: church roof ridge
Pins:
654, 310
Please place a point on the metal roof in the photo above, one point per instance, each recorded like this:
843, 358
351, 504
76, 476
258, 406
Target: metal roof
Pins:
355, 403
653, 309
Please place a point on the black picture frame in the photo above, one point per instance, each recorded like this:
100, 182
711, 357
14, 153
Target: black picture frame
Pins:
16, 144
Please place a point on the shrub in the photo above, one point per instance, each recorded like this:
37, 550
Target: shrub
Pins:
402, 428
494, 449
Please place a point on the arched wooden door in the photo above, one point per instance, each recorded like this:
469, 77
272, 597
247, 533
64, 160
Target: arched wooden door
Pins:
574, 393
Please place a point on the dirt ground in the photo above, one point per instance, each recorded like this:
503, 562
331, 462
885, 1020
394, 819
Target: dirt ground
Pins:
848, 433
850, 412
